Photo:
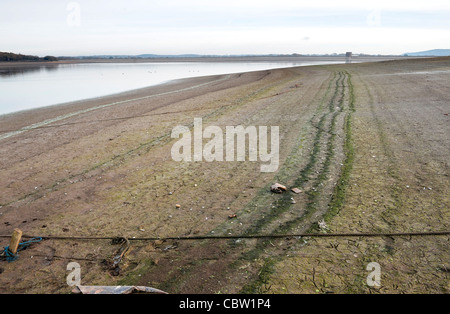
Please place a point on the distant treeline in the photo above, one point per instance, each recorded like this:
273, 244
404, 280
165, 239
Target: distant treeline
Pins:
12, 57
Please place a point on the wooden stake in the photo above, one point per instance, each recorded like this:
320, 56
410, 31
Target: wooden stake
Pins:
15, 240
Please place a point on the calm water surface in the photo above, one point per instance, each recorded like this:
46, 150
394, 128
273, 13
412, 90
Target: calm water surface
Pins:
28, 88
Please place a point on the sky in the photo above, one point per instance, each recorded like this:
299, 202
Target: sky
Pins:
227, 27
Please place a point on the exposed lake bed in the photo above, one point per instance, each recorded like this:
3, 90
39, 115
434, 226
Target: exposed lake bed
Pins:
102, 167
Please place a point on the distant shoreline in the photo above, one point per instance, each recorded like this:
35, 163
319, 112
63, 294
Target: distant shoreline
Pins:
207, 59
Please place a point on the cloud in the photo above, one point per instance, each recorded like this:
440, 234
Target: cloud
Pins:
288, 5
233, 26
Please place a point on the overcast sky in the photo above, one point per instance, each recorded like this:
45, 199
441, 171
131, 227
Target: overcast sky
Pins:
87, 27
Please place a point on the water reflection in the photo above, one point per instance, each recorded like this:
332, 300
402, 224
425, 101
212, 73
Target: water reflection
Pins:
21, 70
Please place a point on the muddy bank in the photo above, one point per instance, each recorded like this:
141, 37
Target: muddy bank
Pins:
103, 167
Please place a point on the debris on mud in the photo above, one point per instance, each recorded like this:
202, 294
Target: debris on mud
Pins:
158, 243
444, 268
113, 266
116, 290
170, 247
278, 188
322, 225
296, 190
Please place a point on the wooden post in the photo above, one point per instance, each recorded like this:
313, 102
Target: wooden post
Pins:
15, 240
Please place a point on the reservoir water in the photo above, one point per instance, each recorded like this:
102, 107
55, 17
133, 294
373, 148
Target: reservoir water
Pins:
38, 86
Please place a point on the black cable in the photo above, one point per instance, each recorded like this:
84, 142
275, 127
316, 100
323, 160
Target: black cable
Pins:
231, 237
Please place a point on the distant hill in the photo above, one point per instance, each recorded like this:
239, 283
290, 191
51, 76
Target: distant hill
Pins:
429, 53
12, 57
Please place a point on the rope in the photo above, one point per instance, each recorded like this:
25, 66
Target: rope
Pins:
10, 257
231, 237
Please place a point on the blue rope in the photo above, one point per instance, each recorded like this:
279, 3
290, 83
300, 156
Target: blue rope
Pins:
10, 257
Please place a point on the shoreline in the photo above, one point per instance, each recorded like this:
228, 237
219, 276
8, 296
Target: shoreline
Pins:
28, 118
16, 121
144, 90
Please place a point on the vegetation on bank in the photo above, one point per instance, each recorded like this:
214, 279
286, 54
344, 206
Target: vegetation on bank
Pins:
13, 57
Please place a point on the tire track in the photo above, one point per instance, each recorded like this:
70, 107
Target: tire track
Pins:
324, 186
312, 178
318, 176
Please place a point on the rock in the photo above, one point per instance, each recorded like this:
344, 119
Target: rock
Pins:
278, 188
